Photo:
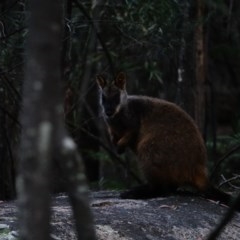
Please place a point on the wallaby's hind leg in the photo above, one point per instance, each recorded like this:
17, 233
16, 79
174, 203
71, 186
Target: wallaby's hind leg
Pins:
147, 191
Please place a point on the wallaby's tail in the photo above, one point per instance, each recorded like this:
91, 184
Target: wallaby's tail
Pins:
218, 195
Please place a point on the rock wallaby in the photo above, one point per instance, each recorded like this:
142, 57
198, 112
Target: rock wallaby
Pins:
170, 150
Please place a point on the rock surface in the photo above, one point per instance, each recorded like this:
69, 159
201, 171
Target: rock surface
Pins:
169, 218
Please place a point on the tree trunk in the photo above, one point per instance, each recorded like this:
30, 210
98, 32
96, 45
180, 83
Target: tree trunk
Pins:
43, 130
200, 66
40, 108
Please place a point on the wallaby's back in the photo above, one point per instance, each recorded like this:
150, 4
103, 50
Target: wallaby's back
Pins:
169, 146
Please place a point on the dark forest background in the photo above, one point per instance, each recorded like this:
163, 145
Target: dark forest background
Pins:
184, 51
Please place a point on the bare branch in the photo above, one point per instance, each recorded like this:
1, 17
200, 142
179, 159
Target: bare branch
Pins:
112, 154
228, 181
10, 116
73, 169
226, 219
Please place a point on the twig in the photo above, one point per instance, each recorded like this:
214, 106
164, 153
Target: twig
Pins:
11, 86
10, 115
66, 48
130, 37
227, 218
229, 181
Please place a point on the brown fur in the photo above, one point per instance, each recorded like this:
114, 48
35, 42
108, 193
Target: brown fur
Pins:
170, 150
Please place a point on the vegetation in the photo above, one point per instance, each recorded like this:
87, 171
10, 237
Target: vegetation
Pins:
154, 42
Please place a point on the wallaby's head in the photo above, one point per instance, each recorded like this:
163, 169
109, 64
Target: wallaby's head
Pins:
112, 93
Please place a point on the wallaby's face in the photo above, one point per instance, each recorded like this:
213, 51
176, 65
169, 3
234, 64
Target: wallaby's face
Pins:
112, 94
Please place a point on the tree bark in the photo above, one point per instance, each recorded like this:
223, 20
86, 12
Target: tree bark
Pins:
44, 137
40, 109
200, 66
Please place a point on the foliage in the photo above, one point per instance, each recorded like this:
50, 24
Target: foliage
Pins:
143, 33
139, 36
146, 39
12, 37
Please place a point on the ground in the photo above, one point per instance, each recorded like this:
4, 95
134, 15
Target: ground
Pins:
170, 218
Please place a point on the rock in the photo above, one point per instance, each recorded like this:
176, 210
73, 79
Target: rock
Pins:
174, 217
4, 226
168, 218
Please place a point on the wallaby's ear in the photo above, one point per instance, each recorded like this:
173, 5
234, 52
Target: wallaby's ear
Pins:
120, 81
101, 80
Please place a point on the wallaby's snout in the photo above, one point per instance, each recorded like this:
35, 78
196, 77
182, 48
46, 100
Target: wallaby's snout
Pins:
110, 104
109, 108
